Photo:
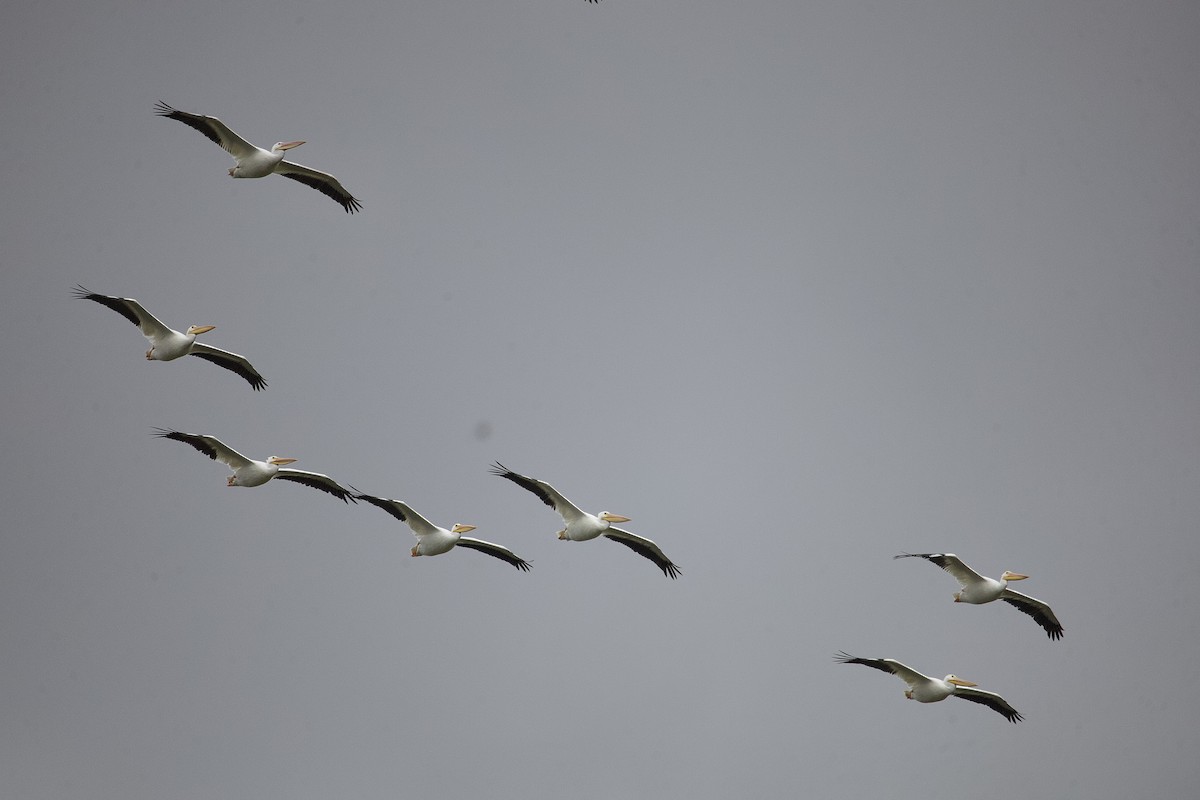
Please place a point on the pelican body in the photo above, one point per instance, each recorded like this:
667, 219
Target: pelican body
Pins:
977, 589
167, 344
247, 472
925, 689
582, 526
256, 162
433, 540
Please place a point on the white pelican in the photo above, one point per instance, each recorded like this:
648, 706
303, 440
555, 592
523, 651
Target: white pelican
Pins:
433, 541
977, 589
167, 344
925, 689
582, 526
248, 472
255, 162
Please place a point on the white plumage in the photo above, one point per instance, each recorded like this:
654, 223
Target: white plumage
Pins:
977, 589
255, 162
248, 472
925, 689
167, 344
433, 541
581, 526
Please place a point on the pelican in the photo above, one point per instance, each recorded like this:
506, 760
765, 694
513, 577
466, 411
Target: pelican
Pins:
977, 589
433, 541
582, 526
925, 689
167, 344
248, 472
255, 162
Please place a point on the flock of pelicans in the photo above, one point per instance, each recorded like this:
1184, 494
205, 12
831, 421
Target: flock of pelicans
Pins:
167, 344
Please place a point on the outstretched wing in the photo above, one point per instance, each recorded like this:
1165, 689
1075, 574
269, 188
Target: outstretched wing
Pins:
494, 550
401, 511
317, 481
1036, 609
645, 548
952, 564
544, 491
902, 671
230, 361
128, 308
211, 446
323, 182
989, 699
211, 127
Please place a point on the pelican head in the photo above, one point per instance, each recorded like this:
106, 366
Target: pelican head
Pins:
460, 528
1012, 576
286, 145
607, 517
957, 681
196, 330
279, 462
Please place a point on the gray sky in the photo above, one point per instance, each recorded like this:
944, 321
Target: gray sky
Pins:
796, 286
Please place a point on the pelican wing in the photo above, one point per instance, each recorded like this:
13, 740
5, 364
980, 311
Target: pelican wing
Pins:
646, 548
211, 127
401, 511
323, 182
952, 564
230, 361
495, 550
211, 446
317, 481
902, 671
130, 309
545, 492
989, 699
1036, 609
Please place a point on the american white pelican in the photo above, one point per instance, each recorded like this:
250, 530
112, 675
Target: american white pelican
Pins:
248, 472
925, 689
255, 162
977, 589
433, 541
582, 526
167, 344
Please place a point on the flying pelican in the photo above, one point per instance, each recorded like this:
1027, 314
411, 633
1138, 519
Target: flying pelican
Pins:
248, 472
977, 589
582, 526
167, 344
925, 689
255, 162
433, 541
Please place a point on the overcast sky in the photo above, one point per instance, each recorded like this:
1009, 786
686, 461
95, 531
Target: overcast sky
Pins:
795, 286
